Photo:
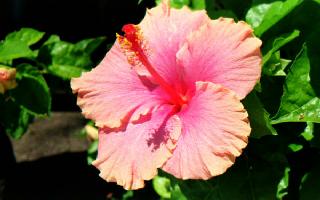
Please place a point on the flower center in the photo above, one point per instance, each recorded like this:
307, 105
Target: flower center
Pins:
135, 49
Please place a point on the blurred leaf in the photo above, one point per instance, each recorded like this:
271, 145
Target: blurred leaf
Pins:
309, 189
283, 184
14, 119
167, 189
92, 152
67, 60
277, 43
308, 131
16, 44
32, 92
198, 4
299, 102
65, 71
162, 186
258, 116
89, 45
127, 195
295, 147
265, 13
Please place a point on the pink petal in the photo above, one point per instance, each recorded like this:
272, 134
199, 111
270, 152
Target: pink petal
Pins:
165, 30
215, 129
132, 156
223, 52
112, 91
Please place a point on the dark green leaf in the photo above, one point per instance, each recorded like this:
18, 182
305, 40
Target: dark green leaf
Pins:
299, 102
265, 13
277, 43
275, 66
311, 184
14, 119
32, 92
258, 116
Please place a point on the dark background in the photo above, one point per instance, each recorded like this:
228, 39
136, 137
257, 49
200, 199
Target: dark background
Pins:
66, 176
71, 19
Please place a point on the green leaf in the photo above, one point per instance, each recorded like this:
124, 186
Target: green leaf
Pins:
299, 102
89, 45
16, 44
129, 194
282, 189
65, 71
276, 65
198, 4
167, 189
214, 12
277, 43
28, 36
307, 134
311, 184
265, 13
32, 92
67, 60
14, 119
258, 117
295, 147
162, 186
179, 3
92, 152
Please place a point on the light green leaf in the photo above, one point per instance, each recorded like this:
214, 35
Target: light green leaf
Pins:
92, 152
28, 36
167, 189
179, 3
265, 13
299, 102
307, 134
198, 4
162, 186
258, 117
32, 92
16, 44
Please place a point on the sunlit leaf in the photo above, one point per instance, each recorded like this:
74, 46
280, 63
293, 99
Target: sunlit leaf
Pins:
299, 102
265, 13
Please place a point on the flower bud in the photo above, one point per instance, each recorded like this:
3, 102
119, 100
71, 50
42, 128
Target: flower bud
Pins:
7, 79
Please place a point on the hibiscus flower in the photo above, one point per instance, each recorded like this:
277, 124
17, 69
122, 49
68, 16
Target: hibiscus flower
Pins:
167, 95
